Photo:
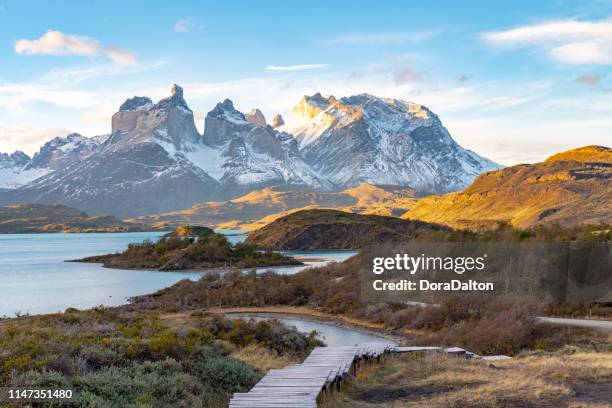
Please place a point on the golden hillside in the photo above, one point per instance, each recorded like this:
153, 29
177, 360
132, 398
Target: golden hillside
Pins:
569, 188
261, 207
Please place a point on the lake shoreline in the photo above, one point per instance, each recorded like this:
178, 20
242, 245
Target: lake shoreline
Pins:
190, 269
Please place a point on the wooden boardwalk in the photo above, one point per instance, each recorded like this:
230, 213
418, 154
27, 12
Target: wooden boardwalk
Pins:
299, 386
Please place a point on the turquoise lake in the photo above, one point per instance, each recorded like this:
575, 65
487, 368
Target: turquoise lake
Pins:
35, 279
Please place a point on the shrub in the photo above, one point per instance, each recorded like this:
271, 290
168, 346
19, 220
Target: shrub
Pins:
156, 384
224, 373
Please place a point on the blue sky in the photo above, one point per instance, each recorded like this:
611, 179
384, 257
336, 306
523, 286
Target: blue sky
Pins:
514, 81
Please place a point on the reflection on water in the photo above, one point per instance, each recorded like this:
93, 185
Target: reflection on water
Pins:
332, 335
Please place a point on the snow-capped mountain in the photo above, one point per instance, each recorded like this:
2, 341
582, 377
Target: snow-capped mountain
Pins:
19, 169
248, 156
365, 139
155, 160
13, 171
136, 170
60, 152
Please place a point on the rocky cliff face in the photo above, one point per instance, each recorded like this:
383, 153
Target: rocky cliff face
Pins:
256, 117
570, 188
249, 156
365, 139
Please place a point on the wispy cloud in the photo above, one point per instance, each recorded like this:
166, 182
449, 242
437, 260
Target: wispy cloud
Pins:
26, 137
187, 24
294, 68
589, 79
58, 43
565, 41
392, 37
407, 74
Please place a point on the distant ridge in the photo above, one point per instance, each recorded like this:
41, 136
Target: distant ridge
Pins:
570, 188
260, 207
39, 218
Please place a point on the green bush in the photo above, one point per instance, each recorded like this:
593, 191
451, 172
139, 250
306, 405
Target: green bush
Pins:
149, 384
224, 373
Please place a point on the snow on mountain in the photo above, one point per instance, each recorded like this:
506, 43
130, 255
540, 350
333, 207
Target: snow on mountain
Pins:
60, 152
249, 155
19, 169
365, 139
12, 170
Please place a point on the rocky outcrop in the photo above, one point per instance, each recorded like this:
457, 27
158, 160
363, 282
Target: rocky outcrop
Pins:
256, 117
331, 229
277, 121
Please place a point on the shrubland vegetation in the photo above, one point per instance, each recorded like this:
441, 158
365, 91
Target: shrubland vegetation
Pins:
112, 357
177, 251
485, 328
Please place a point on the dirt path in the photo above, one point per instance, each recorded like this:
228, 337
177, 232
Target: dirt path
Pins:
605, 325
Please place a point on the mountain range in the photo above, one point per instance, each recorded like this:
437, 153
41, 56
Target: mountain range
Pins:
154, 160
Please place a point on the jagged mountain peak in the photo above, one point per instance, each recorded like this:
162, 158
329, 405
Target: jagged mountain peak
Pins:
17, 158
169, 121
174, 100
256, 117
226, 109
135, 103
177, 91
277, 121
367, 139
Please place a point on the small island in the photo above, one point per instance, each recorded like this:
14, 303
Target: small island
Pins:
193, 248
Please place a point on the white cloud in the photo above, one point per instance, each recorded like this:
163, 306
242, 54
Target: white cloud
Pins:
395, 37
566, 41
294, 68
58, 43
26, 138
187, 24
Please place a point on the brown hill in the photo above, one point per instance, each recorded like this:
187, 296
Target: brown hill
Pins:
332, 229
36, 218
570, 188
258, 208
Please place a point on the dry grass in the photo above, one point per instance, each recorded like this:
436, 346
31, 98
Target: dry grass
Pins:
435, 380
263, 358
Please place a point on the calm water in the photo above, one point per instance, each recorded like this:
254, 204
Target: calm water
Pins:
35, 279
330, 334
